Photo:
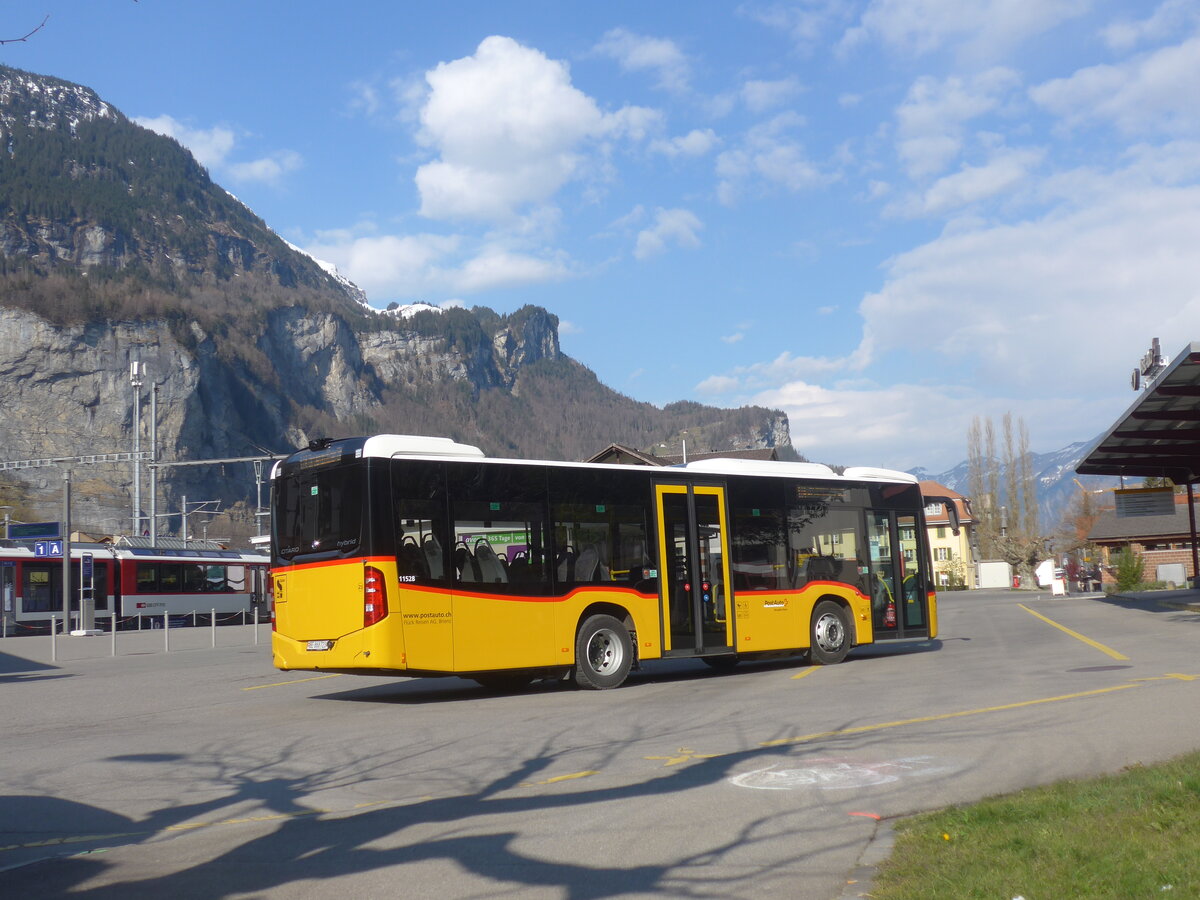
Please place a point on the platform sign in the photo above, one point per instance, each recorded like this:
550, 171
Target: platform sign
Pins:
32, 531
1145, 502
44, 549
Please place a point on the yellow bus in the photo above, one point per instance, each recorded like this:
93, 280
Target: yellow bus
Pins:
419, 556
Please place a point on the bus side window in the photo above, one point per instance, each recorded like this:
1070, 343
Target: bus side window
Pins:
599, 528
419, 510
825, 544
498, 528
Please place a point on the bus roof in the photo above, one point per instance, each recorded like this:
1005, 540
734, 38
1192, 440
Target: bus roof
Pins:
417, 445
391, 446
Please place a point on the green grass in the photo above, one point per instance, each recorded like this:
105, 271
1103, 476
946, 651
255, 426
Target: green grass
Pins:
1136, 834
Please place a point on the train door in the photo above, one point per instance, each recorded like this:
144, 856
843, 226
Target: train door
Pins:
8, 591
693, 536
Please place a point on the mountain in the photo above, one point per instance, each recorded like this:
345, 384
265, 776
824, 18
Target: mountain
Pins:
116, 246
1056, 481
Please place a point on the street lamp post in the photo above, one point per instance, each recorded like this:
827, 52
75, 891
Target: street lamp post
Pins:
136, 371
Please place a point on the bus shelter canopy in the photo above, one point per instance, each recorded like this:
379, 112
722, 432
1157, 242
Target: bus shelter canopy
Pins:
1159, 436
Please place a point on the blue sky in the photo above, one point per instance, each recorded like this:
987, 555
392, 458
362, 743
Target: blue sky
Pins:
883, 216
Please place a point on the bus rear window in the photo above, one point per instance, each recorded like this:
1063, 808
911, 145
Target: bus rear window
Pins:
319, 511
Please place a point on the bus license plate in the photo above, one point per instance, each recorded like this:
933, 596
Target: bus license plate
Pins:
320, 645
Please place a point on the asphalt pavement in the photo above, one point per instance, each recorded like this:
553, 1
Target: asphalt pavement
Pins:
201, 771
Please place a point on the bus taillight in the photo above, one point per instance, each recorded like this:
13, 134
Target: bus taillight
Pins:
374, 596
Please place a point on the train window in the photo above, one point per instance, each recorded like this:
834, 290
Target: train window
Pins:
147, 578
235, 578
170, 578
193, 579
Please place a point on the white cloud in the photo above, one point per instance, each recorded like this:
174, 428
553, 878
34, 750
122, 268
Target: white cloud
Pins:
977, 30
213, 147
1171, 18
804, 23
1064, 294
510, 130
759, 96
399, 267
1034, 316
848, 425
210, 146
387, 267
1005, 171
767, 154
671, 226
269, 169
497, 267
1150, 94
696, 142
636, 53
931, 120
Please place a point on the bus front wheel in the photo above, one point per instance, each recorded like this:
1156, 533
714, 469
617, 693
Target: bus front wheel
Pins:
603, 653
830, 633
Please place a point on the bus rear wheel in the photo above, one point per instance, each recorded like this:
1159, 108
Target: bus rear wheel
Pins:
830, 638
603, 653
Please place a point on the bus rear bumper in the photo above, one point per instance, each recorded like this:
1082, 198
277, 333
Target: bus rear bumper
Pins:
348, 652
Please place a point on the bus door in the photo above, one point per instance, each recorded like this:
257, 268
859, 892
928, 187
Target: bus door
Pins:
898, 601
693, 539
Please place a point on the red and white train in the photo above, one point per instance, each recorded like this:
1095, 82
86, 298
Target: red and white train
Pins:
133, 582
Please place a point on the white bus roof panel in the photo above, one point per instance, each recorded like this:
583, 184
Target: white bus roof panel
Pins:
391, 445
728, 466
866, 473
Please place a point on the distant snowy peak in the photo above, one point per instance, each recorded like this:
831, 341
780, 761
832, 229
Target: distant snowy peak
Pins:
411, 309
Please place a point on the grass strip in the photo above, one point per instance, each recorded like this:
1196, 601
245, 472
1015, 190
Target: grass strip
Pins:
1130, 835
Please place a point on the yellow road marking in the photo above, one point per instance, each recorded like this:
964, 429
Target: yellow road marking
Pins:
685, 755
920, 720
259, 687
1075, 634
1169, 676
558, 778
805, 673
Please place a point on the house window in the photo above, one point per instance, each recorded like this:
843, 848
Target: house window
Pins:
941, 531
933, 509
941, 554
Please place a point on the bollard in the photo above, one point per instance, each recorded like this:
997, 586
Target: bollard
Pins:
113, 620
256, 626
53, 639
214, 628
166, 632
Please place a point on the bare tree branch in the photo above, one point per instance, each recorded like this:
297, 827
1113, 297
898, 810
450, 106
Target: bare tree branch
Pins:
26, 37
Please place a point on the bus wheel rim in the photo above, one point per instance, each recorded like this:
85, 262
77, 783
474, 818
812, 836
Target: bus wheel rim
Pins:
829, 632
604, 651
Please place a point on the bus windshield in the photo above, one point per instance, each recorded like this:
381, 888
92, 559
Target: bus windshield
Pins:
319, 510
